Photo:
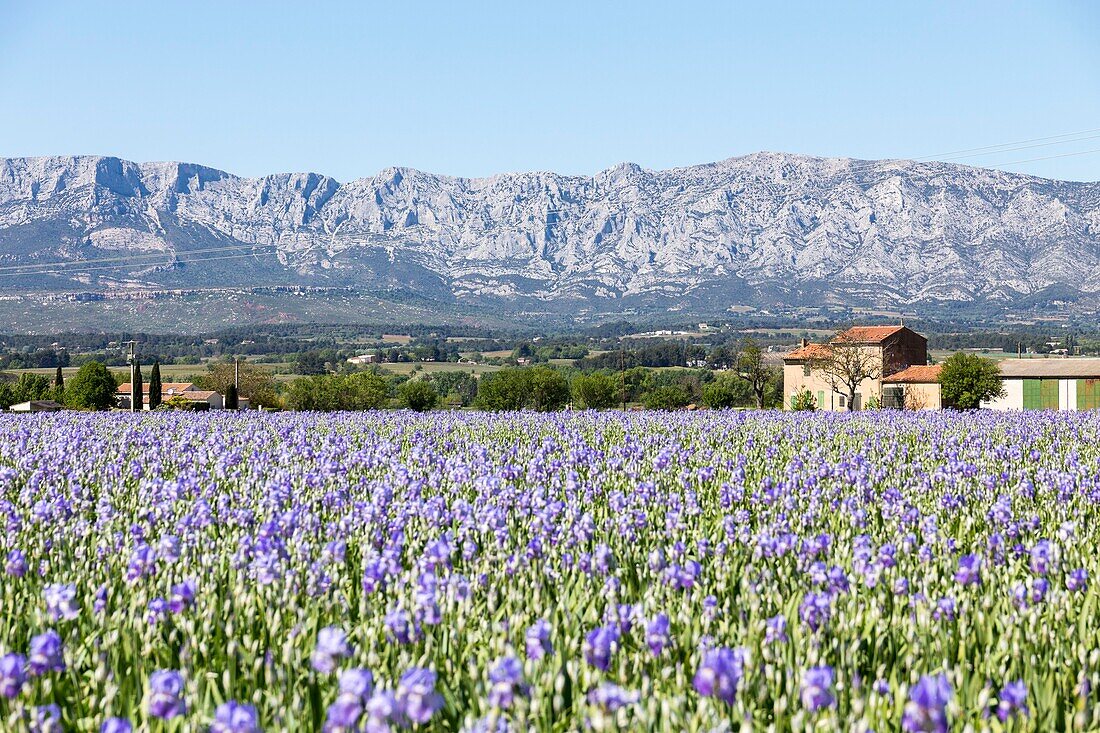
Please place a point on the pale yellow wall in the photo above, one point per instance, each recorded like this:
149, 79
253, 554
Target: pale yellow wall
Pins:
794, 381
927, 394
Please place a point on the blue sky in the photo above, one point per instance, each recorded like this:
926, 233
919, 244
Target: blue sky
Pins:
478, 88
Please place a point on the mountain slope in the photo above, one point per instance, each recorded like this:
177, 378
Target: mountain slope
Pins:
764, 228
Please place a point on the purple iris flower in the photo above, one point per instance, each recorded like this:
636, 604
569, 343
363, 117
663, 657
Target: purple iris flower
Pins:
815, 610
817, 688
46, 719
61, 601
116, 725
233, 717
969, 572
158, 609
182, 596
166, 694
143, 562
1012, 701
926, 710
537, 640
46, 653
600, 645
358, 683
657, 634
383, 711
611, 697
343, 715
506, 677
720, 673
1039, 588
16, 564
1078, 580
401, 626
1041, 557
776, 630
13, 673
332, 645
838, 580
416, 695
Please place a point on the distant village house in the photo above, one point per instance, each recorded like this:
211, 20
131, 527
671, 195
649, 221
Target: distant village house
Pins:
202, 399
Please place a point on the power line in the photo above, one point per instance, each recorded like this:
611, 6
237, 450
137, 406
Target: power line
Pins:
1052, 157
1018, 142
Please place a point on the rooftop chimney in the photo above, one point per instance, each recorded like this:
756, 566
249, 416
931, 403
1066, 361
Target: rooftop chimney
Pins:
805, 342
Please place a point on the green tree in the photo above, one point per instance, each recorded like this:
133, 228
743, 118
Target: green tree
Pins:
137, 397
310, 393
58, 394
451, 383
507, 389
365, 391
31, 387
7, 395
726, 392
329, 392
669, 397
967, 380
596, 391
752, 368
93, 388
549, 389
418, 395
310, 363
155, 386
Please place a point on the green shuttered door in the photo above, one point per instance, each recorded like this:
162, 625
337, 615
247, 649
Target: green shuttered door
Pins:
1050, 394
1032, 400
1040, 394
1088, 394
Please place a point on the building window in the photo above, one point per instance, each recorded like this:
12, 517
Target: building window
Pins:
805, 370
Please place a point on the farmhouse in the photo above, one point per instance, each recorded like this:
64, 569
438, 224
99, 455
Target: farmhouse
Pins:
212, 400
887, 350
1049, 384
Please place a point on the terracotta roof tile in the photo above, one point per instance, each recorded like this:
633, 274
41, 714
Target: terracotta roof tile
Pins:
869, 334
810, 351
920, 374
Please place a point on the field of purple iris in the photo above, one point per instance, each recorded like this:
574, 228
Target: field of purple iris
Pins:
648, 571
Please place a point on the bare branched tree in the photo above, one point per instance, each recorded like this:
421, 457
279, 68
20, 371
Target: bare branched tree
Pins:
846, 363
914, 398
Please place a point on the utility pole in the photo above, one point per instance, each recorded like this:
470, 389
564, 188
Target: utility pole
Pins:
135, 388
236, 375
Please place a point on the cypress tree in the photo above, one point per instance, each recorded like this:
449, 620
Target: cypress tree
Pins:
136, 396
231, 400
58, 385
154, 386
